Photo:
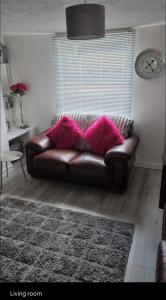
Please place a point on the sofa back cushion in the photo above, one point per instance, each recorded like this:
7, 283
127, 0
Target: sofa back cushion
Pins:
85, 120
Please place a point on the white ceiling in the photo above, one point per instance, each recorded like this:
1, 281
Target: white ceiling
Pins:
48, 16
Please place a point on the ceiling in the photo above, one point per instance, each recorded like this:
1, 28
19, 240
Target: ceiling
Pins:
48, 16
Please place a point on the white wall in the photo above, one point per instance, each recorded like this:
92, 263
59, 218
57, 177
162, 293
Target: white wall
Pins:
30, 62
149, 101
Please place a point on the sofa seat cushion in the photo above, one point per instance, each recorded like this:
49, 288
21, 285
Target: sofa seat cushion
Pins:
54, 162
89, 168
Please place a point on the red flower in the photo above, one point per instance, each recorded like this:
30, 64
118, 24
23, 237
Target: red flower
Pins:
21, 86
18, 88
13, 88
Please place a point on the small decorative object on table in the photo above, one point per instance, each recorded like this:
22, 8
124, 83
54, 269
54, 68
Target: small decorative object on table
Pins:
18, 90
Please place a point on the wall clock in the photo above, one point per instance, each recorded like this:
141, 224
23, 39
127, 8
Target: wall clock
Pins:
149, 63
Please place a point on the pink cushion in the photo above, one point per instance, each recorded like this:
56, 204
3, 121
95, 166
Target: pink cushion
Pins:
65, 134
103, 135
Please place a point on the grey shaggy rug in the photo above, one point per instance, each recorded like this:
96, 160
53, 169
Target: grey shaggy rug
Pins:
42, 243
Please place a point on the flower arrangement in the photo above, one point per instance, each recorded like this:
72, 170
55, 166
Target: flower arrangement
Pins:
18, 90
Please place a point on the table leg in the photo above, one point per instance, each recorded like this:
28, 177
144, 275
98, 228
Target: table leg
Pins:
6, 169
1, 173
23, 170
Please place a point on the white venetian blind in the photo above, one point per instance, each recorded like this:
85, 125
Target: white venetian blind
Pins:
94, 75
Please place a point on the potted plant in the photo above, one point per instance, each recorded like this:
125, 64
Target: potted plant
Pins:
19, 90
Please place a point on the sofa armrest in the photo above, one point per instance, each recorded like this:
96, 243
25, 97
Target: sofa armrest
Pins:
123, 151
38, 144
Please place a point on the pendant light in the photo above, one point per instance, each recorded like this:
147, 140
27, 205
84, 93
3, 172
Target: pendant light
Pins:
85, 21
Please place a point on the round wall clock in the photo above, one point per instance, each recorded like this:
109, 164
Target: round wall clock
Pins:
149, 63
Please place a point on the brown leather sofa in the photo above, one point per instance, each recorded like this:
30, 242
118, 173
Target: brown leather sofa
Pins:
110, 171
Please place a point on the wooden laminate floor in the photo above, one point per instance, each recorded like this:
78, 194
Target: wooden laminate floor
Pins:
138, 205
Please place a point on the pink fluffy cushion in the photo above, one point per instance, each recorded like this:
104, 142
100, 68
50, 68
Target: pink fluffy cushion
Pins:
103, 135
65, 134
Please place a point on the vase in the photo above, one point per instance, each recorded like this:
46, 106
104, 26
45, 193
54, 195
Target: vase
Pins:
23, 124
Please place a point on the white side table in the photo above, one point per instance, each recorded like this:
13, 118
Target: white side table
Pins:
10, 156
18, 132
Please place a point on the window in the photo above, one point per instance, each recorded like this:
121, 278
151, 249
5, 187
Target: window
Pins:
94, 75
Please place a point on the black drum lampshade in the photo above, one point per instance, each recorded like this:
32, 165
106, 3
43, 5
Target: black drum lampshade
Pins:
85, 21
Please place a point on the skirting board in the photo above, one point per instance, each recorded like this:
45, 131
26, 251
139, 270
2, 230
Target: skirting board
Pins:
148, 165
